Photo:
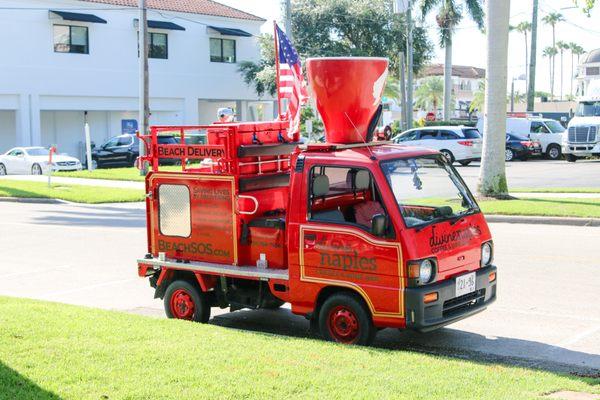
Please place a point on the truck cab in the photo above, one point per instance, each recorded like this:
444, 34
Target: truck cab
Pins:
582, 139
355, 236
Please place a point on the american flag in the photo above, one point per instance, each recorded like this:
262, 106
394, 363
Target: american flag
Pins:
291, 84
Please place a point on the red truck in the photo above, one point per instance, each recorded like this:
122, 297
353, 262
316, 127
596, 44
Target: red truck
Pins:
355, 235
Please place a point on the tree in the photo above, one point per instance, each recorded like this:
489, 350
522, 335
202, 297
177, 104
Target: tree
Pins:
561, 47
448, 16
261, 74
429, 93
492, 174
368, 28
550, 52
576, 50
478, 102
553, 19
524, 27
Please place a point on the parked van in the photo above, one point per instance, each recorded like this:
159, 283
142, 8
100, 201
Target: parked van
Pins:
547, 131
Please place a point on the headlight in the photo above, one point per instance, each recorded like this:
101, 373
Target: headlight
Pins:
421, 272
486, 254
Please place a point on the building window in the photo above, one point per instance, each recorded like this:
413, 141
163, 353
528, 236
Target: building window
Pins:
591, 71
222, 50
71, 39
158, 45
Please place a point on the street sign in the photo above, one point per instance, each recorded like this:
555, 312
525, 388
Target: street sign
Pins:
129, 126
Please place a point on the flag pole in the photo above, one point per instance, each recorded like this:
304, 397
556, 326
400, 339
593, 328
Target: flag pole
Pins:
277, 69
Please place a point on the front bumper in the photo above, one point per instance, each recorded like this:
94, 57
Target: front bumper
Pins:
448, 308
581, 149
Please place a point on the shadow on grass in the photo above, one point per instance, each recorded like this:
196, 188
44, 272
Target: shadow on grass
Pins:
559, 200
15, 386
447, 342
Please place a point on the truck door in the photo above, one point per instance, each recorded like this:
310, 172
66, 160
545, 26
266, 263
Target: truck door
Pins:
337, 243
193, 217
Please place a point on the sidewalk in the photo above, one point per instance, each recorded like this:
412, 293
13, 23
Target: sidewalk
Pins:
77, 181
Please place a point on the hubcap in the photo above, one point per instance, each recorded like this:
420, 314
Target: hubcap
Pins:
343, 325
508, 155
37, 170
2, 170
182, 305
554, 152
447, 155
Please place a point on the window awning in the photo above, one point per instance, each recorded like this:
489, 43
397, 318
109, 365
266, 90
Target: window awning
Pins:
71, 16
165, 25
230, 31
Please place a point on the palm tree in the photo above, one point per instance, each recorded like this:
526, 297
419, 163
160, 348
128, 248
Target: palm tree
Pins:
576, 50
552, 19
492, 174
478, 102
429, 93
550, 52
561, 46
524, 27
448, 16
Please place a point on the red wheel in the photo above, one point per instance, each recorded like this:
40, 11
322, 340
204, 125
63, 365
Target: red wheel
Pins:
343, 325
182, 305
343, 318
185, 301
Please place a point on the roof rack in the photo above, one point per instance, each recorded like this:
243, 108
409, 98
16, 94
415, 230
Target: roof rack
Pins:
341, 146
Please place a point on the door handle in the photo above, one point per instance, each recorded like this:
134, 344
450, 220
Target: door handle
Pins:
309, 240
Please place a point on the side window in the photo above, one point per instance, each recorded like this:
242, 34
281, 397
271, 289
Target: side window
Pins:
346, 196
538, 127
407, 136
174, 210
112, 142
124, 141
448, 135
428, 134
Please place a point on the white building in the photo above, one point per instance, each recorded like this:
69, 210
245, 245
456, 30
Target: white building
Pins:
588, 70
63, 58
465, 82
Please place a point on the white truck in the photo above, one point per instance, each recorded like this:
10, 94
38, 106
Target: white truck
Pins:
582, 139
548, 132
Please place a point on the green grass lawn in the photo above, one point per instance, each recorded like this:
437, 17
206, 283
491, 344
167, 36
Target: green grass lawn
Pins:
115, 174
557, 190
558, 207
54, 351
75, 193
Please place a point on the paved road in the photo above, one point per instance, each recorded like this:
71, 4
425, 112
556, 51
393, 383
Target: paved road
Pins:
547, 314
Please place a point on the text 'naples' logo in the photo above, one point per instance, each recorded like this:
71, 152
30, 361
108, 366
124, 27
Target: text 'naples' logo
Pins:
349, 261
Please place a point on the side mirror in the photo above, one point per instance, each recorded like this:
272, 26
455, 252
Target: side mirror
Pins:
379, 225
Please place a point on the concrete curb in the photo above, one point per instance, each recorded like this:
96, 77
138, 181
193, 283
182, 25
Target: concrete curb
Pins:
525, 219
33, 200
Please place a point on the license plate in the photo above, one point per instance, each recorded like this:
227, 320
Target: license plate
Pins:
465, 284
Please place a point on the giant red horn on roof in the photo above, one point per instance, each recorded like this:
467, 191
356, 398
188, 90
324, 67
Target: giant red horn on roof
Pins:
348, 92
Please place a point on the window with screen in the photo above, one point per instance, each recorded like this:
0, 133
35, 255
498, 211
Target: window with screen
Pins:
71, 39
158, 46
222, 50
174, 210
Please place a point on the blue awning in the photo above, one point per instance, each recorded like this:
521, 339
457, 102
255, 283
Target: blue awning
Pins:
165, 25
230, 31
71, 16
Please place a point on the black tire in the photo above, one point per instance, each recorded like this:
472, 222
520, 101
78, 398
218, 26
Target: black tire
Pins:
464, 163
201, 305
449, 156
553, 152
570, 158
36, 169
343, 312
3, 170
509, 155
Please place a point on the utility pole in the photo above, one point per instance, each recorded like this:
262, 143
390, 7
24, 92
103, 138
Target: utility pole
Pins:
144, 108
532, 58
404, 125
288, 18
409, 62
512, 95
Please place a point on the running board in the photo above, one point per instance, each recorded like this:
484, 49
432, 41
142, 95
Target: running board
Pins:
219, 269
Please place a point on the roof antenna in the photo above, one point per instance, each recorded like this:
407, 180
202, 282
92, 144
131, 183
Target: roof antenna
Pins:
361, 136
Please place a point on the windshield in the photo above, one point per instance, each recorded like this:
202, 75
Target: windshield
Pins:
427, 190
588, 109
38, 152
554, 126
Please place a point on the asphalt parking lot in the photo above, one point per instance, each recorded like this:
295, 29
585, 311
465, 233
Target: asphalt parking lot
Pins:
547, 314
540, 173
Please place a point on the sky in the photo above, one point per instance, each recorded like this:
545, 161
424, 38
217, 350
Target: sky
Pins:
468, 40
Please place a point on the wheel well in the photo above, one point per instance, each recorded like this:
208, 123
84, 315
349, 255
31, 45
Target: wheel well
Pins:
328, 291
175, 275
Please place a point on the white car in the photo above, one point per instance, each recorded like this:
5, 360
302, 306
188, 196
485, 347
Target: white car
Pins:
35, 161
457, 143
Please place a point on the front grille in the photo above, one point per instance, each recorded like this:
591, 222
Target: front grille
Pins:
582, 134
66, 163
459, 304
